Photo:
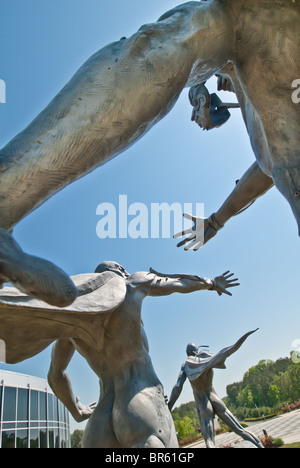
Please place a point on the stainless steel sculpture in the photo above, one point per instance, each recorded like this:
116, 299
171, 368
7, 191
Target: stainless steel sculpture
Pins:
128, 86
104, 325
198, 369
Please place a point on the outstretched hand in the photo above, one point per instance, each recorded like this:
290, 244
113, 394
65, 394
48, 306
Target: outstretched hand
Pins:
222, 283
200, 233
85, 411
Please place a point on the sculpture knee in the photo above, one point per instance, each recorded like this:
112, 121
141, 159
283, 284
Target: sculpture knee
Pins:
206, 412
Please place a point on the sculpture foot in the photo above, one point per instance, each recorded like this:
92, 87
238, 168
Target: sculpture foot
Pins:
34, 276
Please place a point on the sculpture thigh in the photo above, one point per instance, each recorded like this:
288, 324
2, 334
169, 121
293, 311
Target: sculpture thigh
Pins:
99, 431
141, 417
204, 406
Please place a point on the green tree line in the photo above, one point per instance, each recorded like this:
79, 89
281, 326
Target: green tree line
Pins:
265, 388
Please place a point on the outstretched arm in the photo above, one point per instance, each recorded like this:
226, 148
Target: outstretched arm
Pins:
251, 186
59, 381
156, 284
177, 389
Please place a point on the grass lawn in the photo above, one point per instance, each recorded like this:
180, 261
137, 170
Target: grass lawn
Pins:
295, 445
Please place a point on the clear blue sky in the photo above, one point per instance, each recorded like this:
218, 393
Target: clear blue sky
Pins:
42, 44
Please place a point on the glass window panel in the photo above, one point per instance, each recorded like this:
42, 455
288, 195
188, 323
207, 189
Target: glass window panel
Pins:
34, 405
55, 403
8, 439
22, 411
51, 438
43, 438
67, 417
50, 407
34, 438
56, 438
9, 407
6, 426
22, 425
34, 424
0, 401
61, 411
42, 398
22, 439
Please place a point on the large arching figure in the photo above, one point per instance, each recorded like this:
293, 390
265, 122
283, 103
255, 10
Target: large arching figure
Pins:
128, 86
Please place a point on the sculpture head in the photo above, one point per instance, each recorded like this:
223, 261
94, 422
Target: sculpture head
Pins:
199, 99
208, 109
191, 349
112, 266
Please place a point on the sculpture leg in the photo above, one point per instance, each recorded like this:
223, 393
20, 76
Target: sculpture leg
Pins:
208, 431
287, 180
99, 431
36, 277
231, 422
206, 419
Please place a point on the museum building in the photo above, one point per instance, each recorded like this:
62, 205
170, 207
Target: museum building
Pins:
31, 416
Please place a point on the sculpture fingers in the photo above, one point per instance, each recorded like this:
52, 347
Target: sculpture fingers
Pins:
226, 292
198, 246
229, 275
192, 244
183, 233
190, 217
92, 406
233, 281
36, 277
185, 241
226, 273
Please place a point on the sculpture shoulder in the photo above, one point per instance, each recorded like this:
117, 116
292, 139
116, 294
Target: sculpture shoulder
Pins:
141, 278
183, 9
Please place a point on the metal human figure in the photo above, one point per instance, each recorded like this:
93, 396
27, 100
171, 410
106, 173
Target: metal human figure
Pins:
128, 86
104, 325
198, 369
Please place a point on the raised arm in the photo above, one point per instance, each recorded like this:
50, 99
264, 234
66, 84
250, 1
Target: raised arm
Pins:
62, 353
251, 186
177, 389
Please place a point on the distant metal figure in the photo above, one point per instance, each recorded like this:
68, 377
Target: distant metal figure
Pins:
198, 368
